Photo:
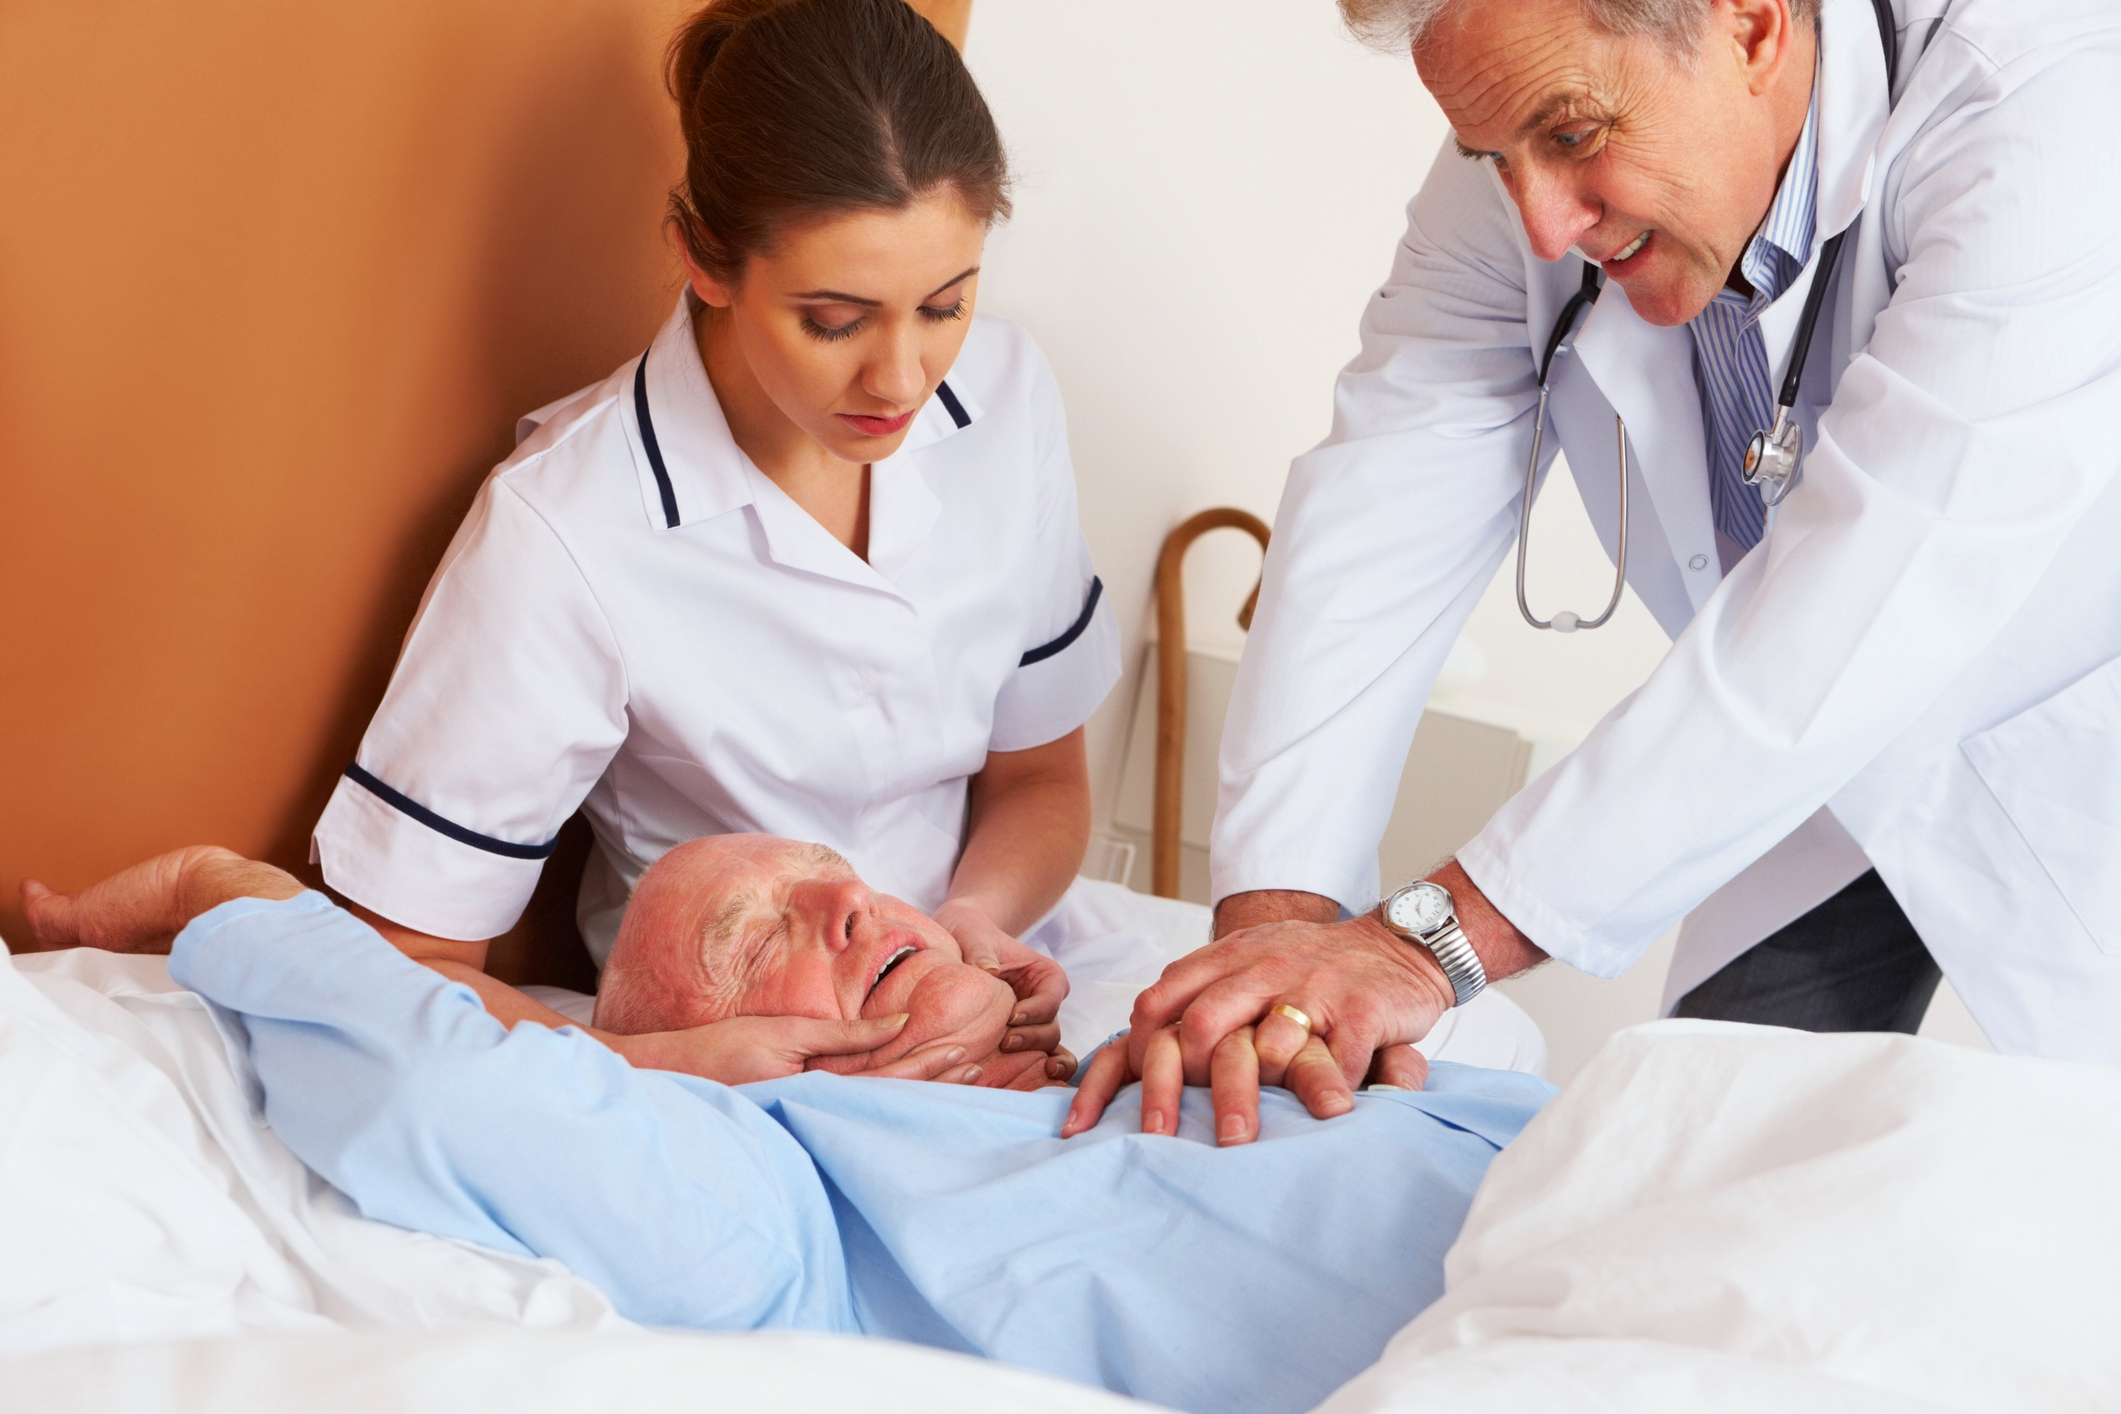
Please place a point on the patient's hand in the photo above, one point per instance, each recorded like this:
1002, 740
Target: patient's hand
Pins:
142, 909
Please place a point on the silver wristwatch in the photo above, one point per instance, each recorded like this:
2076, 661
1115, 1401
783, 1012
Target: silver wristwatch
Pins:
1423, 913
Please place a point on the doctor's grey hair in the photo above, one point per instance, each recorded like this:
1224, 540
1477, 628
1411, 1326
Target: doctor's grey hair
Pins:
1399, 25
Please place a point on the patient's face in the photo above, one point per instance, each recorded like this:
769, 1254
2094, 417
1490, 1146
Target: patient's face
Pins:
753, 925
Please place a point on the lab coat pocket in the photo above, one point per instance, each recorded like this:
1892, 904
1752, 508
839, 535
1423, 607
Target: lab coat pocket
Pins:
2055, 768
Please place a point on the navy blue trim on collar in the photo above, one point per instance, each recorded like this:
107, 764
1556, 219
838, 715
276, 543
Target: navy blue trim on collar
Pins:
1075, 630
655, 456
952, 406
450, 828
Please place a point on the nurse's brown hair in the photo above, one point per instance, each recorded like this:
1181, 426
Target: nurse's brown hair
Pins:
798, 109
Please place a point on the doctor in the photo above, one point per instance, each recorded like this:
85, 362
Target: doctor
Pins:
779, 574
1887, 736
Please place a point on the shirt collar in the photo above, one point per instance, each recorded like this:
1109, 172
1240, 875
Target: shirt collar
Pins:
694, 457
1779, 249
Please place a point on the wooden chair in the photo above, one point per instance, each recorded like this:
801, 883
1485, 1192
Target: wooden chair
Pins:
1171, 679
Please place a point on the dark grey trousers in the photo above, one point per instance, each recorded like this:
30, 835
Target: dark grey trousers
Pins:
1854, 963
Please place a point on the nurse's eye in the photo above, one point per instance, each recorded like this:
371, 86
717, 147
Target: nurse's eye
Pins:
937, 316
831, 333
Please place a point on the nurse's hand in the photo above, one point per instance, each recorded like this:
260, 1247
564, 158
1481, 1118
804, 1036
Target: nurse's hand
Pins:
743, 1049
1038, 981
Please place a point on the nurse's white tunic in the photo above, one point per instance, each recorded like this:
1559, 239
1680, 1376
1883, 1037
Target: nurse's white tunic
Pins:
634, 620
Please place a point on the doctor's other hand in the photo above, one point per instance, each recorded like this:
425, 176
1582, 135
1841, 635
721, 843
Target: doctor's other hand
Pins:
742, 1049
1038, 981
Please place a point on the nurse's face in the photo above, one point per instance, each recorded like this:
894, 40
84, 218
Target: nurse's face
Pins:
1657, 165
752, 925
848, 323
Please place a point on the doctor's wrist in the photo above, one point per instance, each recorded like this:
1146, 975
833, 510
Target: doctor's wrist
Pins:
1430, 987
1503, 949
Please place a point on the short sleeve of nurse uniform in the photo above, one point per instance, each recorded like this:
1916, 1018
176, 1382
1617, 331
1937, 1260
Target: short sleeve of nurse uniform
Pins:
507, 703
1071, 646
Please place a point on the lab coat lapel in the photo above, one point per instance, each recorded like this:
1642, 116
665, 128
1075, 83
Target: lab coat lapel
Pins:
1852, 114
1647, 375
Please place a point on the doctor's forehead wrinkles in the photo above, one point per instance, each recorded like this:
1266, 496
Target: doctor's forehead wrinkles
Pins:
1516, 88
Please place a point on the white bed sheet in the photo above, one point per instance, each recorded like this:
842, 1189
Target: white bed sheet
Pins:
1708, 1217
1741, 1218
141, 1198
548, 1372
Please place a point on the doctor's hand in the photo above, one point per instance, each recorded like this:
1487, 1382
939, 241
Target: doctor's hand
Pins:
1366, 994
1236, 1069
743, 1049
1038, 981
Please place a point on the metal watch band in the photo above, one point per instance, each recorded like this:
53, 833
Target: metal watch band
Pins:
1458, 960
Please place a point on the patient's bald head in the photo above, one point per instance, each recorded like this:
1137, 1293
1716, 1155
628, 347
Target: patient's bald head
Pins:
754, 925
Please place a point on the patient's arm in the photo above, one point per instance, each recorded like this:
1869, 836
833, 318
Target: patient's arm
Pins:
143, 908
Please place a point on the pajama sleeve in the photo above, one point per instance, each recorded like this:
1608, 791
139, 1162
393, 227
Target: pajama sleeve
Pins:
682, 1200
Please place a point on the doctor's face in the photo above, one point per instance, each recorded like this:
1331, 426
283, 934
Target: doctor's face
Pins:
849, 322
1658, 165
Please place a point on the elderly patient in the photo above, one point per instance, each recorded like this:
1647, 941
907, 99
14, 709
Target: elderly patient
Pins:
754, 925
1254, 1278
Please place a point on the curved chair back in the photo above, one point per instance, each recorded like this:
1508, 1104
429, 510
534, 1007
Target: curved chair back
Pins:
1171, 678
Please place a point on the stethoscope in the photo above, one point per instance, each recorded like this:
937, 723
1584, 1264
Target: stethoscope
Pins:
1774, 456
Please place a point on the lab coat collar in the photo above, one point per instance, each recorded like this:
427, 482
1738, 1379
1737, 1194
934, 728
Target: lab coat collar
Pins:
1853, 106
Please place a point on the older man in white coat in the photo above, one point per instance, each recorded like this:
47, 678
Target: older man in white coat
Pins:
1887, 736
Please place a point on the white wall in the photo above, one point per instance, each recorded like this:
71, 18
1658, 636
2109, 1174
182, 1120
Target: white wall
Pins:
1207, 193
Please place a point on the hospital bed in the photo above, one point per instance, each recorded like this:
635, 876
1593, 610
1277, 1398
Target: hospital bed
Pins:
1708, 1216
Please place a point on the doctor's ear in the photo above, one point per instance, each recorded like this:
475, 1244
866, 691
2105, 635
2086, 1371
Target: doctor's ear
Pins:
712, 291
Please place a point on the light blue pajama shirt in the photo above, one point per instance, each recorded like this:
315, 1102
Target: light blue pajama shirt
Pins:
1228, 1280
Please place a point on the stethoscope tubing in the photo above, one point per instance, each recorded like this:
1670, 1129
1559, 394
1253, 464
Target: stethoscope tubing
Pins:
1773, 482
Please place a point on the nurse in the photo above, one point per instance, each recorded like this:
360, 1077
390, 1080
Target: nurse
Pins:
809, 566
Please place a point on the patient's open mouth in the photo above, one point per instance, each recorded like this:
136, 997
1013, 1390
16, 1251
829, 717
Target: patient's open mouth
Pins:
890, 962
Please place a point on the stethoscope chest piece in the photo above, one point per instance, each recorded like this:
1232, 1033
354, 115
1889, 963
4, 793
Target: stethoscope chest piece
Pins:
1772, 458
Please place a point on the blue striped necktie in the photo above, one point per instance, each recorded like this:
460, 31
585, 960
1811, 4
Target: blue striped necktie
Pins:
1730, 357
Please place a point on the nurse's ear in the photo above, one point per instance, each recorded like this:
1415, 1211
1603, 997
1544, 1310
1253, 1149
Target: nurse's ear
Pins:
712, 292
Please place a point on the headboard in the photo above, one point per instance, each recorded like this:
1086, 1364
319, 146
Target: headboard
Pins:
275, 282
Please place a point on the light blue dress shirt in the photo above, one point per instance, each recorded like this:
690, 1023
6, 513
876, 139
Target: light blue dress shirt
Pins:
1251, 1280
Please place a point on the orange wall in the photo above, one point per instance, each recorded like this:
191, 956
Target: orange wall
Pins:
275, 281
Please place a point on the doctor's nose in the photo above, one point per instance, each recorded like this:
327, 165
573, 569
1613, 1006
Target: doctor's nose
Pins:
1555, 213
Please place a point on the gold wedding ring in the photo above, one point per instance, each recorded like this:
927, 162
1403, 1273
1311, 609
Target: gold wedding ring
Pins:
1284, 1009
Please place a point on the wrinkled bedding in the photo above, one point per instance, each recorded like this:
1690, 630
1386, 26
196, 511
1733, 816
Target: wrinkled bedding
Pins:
1708, 1217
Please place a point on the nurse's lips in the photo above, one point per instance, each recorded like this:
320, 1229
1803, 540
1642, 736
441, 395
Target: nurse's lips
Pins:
876, 426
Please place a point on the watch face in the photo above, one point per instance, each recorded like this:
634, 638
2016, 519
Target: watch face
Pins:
1420, 908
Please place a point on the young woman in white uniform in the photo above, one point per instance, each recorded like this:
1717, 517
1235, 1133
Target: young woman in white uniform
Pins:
780, 573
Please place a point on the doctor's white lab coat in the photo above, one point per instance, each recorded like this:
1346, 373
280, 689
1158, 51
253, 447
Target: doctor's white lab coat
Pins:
1919, 669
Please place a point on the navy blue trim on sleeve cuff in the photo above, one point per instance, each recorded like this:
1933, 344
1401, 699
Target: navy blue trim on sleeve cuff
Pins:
1075, 630
650, 446
450, 828
952, 406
